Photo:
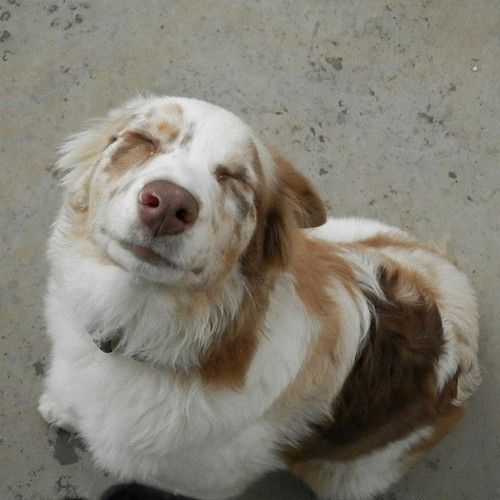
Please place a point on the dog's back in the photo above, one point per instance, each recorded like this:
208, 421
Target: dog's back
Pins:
415, 370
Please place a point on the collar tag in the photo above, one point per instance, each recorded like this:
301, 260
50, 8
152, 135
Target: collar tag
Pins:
106, 343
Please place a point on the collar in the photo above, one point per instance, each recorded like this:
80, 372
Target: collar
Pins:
106, 341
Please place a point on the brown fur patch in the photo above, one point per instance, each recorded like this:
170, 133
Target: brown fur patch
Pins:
227, 361
315, 266
258, 256
307, 205
169, 130
391, 390
233, 180
382, 240
289, 203
317, 263
231, 253
134, 150
271, 249
232, 170
171, 126
274, 245
386, 240
281, 209
279, 236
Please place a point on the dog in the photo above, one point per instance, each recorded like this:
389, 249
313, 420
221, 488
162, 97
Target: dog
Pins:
209, 323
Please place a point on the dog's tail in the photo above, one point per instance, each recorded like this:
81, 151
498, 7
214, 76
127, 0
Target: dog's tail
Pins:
459, 312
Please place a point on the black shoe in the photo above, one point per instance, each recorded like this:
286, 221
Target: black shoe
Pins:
135, 491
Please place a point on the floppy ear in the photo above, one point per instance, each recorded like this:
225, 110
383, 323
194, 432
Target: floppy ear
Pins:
294, 203
299, 193
279, 234
80, 152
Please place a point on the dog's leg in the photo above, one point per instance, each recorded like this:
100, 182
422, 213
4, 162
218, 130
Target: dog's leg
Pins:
53, 404
53, 414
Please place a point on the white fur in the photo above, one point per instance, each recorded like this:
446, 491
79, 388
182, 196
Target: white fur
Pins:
364, 477
154, 428
142, 420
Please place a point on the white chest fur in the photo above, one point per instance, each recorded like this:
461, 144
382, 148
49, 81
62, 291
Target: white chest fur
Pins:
146, 422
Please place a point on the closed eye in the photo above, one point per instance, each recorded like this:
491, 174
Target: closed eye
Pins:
139, 136
223, 174
135, 137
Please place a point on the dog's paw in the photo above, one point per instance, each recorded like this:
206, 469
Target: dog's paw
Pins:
53, 414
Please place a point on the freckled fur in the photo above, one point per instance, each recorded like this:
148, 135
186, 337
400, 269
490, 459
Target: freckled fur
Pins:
132, 152
341, 349
170, 130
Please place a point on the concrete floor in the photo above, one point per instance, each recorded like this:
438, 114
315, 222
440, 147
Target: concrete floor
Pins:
388, 105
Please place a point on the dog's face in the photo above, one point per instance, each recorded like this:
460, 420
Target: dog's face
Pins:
179, 191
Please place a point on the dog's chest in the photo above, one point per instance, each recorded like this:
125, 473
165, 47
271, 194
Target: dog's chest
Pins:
142, 423
139, 418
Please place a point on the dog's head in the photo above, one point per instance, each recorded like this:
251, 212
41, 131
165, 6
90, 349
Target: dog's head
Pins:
181, 192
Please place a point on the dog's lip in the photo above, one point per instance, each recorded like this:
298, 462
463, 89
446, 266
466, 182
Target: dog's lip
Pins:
148, 255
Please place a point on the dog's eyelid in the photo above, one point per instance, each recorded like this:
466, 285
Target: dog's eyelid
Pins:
141, 136
223, 173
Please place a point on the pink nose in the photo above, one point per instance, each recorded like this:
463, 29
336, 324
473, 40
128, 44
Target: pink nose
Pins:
167, 208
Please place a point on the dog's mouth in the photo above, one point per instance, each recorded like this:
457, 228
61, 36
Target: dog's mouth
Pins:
148, 255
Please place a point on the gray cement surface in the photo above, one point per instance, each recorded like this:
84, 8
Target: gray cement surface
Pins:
389, 105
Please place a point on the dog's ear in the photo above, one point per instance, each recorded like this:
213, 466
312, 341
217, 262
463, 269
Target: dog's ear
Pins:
279, 234
80, 152
293, 203
299, 194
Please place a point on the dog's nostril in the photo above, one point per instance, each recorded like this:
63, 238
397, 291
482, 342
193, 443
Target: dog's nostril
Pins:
153, 202
150, 200
181, 214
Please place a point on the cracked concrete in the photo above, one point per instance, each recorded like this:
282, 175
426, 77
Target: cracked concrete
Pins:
389, 105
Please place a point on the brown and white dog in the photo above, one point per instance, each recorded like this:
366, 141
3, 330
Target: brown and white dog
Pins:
201, 337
